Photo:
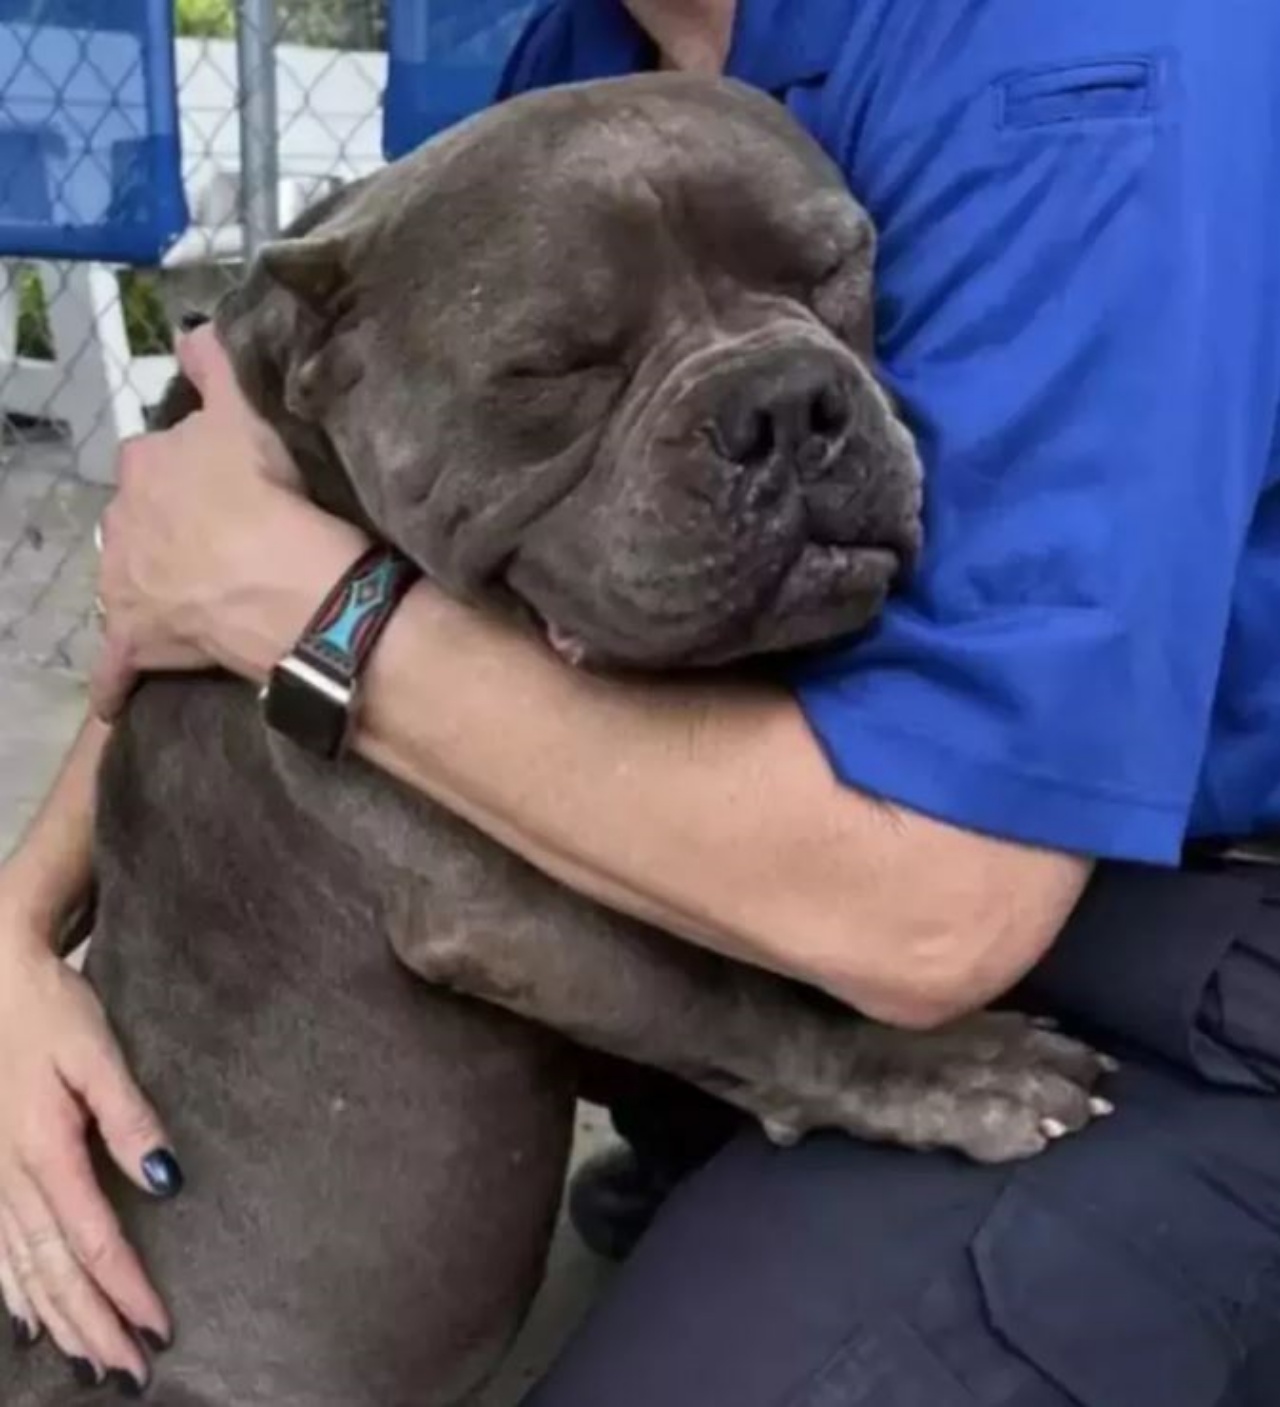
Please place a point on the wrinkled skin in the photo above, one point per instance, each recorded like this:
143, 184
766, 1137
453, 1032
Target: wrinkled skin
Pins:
599, 358
669, 445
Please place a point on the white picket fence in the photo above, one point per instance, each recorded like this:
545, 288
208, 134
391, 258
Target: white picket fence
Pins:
330, 131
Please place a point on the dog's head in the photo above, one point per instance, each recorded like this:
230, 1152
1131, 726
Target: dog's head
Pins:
606, 350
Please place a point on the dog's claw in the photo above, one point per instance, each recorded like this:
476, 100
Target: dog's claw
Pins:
781, 1134
994, 1086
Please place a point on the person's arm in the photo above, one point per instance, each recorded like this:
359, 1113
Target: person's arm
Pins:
706, 809
1095, 396
709, 810
48, 877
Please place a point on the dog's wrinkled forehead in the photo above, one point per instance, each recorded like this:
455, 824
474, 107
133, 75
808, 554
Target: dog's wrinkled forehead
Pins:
603, 348
656, 169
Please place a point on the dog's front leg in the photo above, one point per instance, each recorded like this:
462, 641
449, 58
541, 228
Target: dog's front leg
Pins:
480, 921
468, 915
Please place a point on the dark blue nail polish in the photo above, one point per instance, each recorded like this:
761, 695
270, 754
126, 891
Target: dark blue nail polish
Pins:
153, 1341
23, 1334
84, 1372
192, 319
124, 1383
163, 1175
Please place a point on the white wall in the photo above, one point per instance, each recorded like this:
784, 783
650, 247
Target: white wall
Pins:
330, 106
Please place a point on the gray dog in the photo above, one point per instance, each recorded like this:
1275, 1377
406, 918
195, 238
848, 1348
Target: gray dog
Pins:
596, 358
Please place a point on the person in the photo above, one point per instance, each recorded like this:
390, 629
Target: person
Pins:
1002, 789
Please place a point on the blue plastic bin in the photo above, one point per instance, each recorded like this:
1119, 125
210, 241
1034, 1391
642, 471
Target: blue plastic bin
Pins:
90, 163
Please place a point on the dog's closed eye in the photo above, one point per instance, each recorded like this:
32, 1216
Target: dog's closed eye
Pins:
552, 371
561, 364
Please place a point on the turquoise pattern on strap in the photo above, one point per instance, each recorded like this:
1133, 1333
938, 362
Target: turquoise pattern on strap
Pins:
346, 627
365, 596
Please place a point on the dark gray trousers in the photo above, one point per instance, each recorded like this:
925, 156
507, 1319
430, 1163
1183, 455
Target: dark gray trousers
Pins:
1135, 1266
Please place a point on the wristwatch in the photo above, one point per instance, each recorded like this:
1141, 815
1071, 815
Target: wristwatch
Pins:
311, 694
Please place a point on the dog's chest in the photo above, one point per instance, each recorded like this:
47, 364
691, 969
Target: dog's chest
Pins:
203, 804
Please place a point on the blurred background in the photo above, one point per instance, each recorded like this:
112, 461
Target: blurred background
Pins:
146, 148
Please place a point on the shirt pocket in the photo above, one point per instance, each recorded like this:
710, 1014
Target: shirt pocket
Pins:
1099, 91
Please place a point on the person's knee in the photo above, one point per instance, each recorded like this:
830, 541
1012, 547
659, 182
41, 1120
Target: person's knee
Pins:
1140, 1263
1132, 1263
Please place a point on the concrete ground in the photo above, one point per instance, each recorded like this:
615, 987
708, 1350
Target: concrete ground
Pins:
46, 645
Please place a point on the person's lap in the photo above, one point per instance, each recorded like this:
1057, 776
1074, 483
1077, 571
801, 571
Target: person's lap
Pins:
1139, 1262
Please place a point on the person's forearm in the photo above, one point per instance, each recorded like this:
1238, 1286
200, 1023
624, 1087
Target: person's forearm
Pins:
49, 876
707, 809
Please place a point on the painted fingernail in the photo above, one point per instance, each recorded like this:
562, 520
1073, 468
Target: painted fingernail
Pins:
1053, 1128
124, 1383
1109, 1063
1102, 1107
23, 1334
84, 1372
192, 319
155, 1342
163, 1175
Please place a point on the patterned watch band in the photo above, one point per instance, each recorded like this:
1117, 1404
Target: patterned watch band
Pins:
342, 633
311, 695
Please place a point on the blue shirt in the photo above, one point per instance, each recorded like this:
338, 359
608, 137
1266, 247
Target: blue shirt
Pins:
1079, 308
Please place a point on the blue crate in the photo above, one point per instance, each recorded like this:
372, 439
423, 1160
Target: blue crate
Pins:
445, 60
90, 160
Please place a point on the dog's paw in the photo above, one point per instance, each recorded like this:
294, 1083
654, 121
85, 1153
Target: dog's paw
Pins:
997, 1087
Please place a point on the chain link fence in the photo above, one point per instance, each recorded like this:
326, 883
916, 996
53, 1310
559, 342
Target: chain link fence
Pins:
279, 101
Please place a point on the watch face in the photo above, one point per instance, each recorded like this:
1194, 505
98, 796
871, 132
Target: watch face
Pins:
306, 715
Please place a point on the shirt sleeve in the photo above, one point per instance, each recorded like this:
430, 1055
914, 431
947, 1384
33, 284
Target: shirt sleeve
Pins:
1079, 315
538, 56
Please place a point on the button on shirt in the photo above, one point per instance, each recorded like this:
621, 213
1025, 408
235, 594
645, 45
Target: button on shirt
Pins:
1078, 308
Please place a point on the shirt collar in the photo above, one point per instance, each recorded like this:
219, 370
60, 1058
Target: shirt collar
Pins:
776, 43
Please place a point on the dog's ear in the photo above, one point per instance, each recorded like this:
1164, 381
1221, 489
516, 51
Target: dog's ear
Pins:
314, 268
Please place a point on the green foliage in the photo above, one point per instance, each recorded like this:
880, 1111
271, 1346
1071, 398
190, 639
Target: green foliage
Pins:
340, 24
144, 315
332, 24
205, 19
34, 339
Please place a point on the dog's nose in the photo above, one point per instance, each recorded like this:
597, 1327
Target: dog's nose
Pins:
794, 417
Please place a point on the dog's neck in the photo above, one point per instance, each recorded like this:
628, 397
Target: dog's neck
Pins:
691, 35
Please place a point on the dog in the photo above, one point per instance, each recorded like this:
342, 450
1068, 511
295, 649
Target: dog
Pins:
599, 361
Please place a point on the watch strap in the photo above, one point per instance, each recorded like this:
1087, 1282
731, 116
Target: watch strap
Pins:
340, 636
311, 694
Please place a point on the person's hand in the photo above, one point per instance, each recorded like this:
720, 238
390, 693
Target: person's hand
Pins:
65, 1266
196, 543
